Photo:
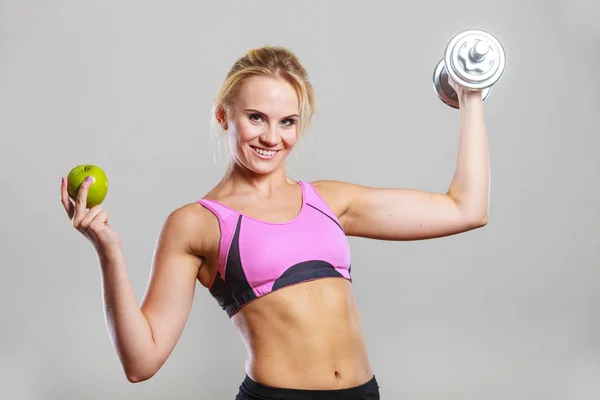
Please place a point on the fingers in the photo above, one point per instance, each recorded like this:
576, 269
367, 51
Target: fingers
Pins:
87, 220
81, 200
99, 221
65, 200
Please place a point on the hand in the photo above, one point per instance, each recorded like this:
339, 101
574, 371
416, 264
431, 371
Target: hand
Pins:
92, 223
462, 91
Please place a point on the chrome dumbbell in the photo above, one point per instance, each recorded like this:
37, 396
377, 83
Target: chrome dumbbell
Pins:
473, 59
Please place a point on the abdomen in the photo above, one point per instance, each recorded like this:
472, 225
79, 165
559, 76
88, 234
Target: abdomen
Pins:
305, 336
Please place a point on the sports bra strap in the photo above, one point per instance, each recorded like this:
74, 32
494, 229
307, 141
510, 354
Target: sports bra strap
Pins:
228, 220
314, 199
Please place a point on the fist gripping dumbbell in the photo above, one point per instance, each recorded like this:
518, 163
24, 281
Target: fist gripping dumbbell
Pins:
473, 59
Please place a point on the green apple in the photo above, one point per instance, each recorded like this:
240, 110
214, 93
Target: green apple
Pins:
97, 191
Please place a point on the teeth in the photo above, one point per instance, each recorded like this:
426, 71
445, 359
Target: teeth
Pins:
264, 152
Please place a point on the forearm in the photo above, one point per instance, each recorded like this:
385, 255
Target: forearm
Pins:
471, 183
128, 328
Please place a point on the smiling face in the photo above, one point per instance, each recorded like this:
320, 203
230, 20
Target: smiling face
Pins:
262, 124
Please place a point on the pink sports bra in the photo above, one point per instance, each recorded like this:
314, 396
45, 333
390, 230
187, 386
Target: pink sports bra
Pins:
258, 257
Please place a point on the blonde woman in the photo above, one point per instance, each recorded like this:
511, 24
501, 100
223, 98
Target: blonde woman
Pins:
273, 251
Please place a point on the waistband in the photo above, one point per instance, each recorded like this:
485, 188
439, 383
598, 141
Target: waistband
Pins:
369, 390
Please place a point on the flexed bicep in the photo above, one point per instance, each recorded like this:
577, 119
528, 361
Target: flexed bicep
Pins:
396, 213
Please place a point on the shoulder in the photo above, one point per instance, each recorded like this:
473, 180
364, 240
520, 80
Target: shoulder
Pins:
337, 194
189, 217
332, 188
193, 226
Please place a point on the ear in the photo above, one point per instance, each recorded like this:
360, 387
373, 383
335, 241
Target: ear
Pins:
221, 116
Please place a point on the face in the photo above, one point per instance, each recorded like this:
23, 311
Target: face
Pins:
262, 124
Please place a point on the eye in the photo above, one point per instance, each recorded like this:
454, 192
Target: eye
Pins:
289, 122
255, 118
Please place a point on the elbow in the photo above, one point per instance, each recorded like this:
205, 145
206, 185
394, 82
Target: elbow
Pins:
136, 378
477, 221
474, 219
139, 375
472, 212
138, 368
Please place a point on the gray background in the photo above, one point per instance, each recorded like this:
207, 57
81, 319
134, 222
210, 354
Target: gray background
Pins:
505, 312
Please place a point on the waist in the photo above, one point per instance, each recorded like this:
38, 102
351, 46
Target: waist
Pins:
316, 373
367, 390
306, 337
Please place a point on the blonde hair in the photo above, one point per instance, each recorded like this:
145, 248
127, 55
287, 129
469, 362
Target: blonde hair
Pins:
270, 62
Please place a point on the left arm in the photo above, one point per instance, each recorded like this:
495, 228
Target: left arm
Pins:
406, 214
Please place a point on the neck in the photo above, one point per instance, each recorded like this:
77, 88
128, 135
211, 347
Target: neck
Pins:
238, 178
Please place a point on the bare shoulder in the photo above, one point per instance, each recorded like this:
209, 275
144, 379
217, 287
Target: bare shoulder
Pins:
337, 194
190, 216
333, 186
193, 227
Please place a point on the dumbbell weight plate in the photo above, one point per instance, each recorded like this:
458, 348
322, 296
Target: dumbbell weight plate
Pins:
469, 73
444, 90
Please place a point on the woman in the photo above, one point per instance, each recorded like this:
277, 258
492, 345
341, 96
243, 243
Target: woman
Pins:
274, 251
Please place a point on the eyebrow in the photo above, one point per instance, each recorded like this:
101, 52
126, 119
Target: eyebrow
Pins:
263, 114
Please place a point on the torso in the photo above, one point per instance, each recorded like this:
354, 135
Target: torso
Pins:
305, 336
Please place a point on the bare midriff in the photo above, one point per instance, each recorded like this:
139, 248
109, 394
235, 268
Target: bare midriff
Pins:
306, 336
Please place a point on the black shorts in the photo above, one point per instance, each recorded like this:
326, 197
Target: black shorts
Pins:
250, 390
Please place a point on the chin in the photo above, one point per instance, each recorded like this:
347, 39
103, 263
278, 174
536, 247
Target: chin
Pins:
263, 169
260, 167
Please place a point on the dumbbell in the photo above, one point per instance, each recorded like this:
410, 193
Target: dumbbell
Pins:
474, 59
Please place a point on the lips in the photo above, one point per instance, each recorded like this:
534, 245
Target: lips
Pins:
264, 153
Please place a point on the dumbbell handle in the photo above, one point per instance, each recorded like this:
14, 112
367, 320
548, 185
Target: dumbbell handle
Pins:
443, 89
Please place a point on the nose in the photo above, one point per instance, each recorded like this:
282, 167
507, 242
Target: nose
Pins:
271, 136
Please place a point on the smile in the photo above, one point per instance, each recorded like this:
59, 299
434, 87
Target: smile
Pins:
264, 154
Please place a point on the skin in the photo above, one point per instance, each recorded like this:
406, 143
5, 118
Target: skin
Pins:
307, 336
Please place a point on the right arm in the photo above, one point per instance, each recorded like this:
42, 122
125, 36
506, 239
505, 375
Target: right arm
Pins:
143, 335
